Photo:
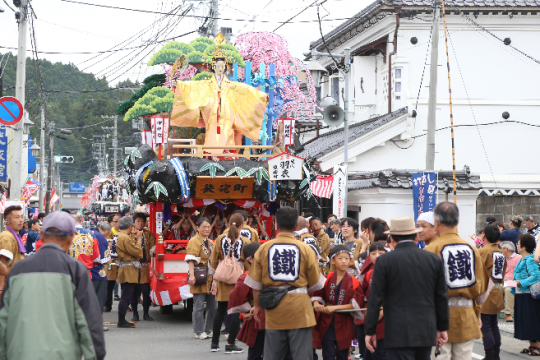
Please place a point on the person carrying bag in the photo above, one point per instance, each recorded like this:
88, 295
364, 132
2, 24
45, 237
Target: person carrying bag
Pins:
198, 253
226, 265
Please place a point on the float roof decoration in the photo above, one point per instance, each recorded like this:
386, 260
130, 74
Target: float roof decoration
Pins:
149, 83
200, 50
156, 100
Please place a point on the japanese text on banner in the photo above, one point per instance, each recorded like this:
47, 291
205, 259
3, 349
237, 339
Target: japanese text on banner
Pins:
3, 154
340, 192
424, 192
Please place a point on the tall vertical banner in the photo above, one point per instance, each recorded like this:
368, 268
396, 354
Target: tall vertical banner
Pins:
3, 154
340, 192
288, 130
424, 192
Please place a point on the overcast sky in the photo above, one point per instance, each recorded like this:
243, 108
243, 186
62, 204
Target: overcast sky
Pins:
73, 27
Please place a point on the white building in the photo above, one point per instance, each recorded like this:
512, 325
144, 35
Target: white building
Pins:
390, 79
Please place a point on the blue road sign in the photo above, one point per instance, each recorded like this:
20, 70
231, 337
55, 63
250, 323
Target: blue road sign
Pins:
77, 187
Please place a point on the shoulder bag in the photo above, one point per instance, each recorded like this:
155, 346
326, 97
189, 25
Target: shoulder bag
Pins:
201, 273
534, 288
229, 270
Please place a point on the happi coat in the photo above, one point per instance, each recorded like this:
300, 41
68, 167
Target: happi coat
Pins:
128, 250
112, 270
198, 252
227, 111
148, 242
285, 261
495, 264
241, 301
84, 248
465, 276
248, 232
221, 248
323, 241
350, 293
9, 247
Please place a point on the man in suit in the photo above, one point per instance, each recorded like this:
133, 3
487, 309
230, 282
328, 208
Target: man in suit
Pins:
410, 286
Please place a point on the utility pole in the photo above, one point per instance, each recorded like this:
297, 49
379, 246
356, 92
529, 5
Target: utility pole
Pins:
17, 135
214, 22
42, 157
432, 101
115, 137
50, 168
347, 69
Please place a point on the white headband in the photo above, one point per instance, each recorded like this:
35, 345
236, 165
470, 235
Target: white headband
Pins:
342, 251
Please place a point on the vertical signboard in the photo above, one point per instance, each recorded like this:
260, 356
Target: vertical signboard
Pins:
3, 154
424, 192
340, 192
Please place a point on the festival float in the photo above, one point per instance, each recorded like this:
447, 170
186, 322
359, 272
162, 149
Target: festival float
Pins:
107, 195
218, 139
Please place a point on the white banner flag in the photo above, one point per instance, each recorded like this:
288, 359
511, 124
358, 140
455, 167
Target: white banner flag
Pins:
340, 191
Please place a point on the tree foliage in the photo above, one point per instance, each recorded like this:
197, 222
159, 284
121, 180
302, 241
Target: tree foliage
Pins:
80, 112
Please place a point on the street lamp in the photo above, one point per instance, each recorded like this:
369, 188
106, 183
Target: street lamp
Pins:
26, 126
35, 148
316, 70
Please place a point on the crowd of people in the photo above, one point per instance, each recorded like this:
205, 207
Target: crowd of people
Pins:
398, 289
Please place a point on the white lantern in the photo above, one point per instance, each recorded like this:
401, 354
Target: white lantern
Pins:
160, 129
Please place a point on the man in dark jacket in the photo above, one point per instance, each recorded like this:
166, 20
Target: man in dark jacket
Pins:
410, 286
49, 299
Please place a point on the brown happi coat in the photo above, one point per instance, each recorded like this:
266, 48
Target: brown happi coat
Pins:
196, 251
295, 310
494, 303
128, 250
112, 274
150, 241
9, 247
463, 320
324, 244
217, 256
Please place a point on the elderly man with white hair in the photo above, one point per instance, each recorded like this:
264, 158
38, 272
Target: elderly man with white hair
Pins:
426, 222
512, 258
532, 227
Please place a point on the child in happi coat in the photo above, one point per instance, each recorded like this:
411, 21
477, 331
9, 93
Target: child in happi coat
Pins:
375, 250
241, 302
341, 292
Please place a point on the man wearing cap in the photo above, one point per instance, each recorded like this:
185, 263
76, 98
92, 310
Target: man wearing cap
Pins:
466, 278
426, 224
410, 286
12, 248
49, 300
147, 241
129, 251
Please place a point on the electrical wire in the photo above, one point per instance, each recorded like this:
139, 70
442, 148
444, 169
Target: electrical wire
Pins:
490, 33
307, 7
220, 18
472, 110
255, 16
5, 2
324, 41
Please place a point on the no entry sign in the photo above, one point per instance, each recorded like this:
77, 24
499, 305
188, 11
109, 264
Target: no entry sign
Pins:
11, 110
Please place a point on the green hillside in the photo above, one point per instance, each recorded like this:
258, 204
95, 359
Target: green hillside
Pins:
73, 111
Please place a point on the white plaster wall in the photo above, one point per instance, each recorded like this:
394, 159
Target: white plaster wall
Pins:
488, 78
389, 203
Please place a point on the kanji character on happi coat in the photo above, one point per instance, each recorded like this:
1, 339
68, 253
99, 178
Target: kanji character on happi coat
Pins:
495, 263
227, 109
341, 292
466, 278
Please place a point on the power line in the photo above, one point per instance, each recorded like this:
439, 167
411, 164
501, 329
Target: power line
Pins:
220, 18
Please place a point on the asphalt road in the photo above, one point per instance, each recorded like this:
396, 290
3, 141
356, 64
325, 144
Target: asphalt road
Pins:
171, 337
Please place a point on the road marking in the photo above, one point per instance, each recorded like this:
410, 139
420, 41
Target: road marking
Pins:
476, 356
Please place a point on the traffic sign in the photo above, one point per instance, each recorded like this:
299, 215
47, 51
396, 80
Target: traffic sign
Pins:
11, 110
76, 187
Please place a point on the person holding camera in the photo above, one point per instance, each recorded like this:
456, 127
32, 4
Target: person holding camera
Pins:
198, 252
